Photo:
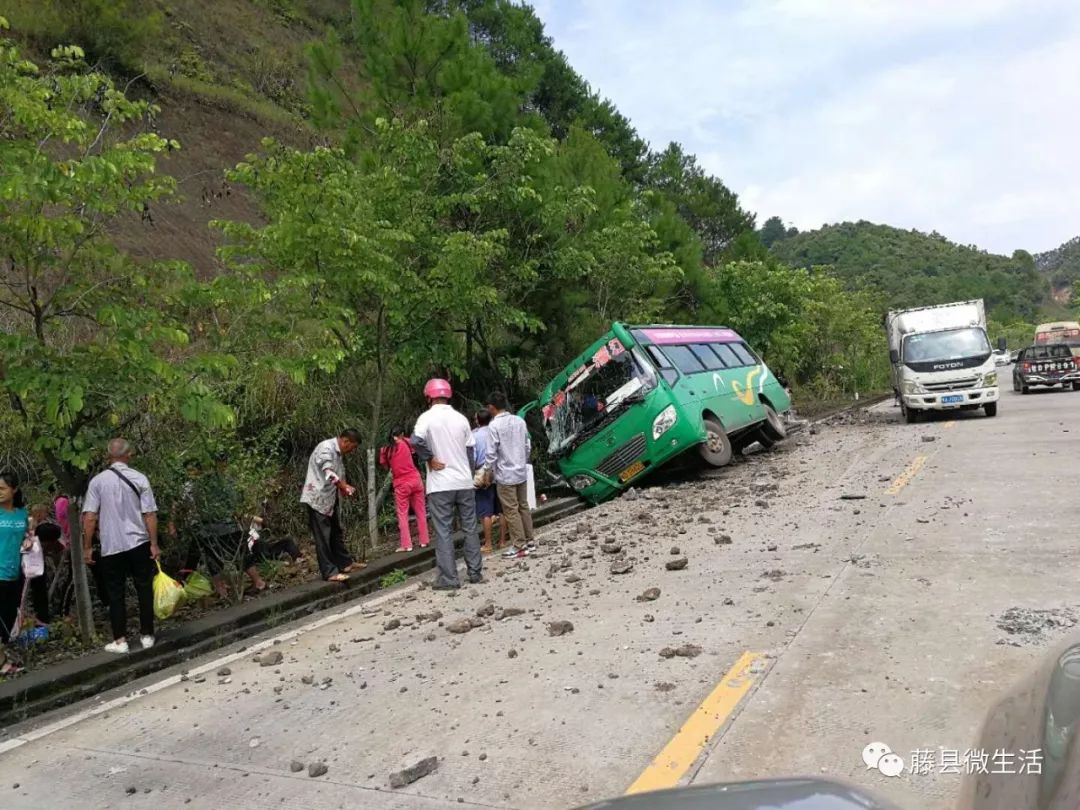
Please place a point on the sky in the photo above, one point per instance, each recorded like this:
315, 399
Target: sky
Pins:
960, 116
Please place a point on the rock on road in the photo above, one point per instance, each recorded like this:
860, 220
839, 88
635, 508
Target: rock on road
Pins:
877, 616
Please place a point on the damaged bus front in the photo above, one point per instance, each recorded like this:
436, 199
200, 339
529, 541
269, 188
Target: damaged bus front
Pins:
642, 395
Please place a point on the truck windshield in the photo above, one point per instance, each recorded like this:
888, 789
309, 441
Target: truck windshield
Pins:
594, 397
954, 344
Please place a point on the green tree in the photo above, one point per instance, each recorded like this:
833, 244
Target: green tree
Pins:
93, 340
710, 208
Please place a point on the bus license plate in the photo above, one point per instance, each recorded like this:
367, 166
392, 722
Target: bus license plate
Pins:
952, 399
631, 471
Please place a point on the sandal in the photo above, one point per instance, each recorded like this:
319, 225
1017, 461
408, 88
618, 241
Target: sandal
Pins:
403, 550
338, 578
356, 566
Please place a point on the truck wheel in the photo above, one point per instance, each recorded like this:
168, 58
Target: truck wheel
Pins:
990, 408
774, 427
1076, 386
1024, 389
716, 450
911, 415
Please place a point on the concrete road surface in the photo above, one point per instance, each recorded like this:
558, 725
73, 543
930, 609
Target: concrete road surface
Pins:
815, 623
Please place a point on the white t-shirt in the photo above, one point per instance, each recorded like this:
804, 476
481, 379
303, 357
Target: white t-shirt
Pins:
447, 433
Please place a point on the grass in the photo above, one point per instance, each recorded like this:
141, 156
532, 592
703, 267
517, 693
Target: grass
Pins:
395, 577
226, 98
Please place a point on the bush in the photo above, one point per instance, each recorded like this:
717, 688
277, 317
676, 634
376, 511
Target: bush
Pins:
114, 33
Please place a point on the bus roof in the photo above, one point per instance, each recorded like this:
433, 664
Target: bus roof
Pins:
668, 334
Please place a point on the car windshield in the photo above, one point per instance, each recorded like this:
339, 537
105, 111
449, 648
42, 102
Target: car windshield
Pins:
594, 395
1047, 352
955, 344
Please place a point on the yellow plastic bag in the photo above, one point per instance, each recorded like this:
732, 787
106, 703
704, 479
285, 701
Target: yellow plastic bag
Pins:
168, 594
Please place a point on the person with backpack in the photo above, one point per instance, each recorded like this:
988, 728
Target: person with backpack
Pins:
120, 499
408, 487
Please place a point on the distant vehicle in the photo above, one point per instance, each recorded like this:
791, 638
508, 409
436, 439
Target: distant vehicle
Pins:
1001, 357
1015, 354
1067, 332
1046, 366
642, 395
942, 360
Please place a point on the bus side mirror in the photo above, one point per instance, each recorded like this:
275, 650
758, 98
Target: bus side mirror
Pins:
1002, 345
894, 356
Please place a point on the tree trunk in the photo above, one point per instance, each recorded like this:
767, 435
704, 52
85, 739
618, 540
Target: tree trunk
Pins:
83, 609
372, 500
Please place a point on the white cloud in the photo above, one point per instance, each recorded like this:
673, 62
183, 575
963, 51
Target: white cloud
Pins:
958, 117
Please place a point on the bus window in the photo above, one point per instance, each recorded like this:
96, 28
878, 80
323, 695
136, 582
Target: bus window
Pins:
708, 358
667, 371
724, 352
746, 357
684, 359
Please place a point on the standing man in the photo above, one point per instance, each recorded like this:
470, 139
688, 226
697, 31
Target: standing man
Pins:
507, 462
324, 482
122, 500
443, 439
488, 507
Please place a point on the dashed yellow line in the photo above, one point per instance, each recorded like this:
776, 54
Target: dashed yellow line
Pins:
905, 477
950, 424
672, 763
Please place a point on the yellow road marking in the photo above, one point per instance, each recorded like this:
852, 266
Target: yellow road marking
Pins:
950, 424
672, 763
905, 477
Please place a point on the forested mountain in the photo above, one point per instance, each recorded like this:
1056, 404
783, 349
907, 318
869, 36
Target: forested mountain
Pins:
1061, 266
911, 268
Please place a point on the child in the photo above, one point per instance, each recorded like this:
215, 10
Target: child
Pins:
408, 487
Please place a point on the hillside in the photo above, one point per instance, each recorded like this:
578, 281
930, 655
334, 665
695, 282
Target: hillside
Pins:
1061, 266
911, 268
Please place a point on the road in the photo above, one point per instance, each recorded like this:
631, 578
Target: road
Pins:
824, 624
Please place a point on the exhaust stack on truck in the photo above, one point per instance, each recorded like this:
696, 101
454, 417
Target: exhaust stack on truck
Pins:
941, 359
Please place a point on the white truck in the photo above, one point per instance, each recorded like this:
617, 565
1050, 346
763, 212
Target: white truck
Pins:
941, 359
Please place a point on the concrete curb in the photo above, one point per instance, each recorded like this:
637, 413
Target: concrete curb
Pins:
80, 678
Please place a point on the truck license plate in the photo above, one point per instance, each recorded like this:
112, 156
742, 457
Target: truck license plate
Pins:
952, 399
631, 471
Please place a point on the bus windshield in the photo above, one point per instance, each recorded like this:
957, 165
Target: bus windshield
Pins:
954, 344
594, 395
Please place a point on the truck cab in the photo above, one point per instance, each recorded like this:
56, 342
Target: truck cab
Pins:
942, 359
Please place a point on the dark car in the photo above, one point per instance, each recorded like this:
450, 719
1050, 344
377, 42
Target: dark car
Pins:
1046, 365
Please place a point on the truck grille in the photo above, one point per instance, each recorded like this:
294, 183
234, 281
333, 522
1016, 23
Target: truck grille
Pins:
622, 458
953, 385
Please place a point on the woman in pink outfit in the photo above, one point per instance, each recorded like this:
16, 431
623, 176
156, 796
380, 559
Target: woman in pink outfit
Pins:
408, 487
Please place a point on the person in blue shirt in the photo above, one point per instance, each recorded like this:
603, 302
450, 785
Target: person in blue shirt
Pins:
14, 525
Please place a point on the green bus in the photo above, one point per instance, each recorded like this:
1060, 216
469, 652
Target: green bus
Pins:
642, 395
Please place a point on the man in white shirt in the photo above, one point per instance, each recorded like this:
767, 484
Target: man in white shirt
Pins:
444, 440
123, 500
324, 482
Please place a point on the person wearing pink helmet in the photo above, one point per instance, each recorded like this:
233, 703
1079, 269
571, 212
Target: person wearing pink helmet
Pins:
443, 438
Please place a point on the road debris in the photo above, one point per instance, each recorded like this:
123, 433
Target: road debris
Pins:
677, 564
459, 626
406, 776
317, 769
560, 627
650, 595
682, 651
270, 659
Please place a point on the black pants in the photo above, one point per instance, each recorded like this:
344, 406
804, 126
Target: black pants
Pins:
39, 598
10, 597
329, 542
115, 570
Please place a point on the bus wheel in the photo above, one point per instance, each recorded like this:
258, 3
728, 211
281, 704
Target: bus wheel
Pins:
763, 438
774, 427
716, 450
